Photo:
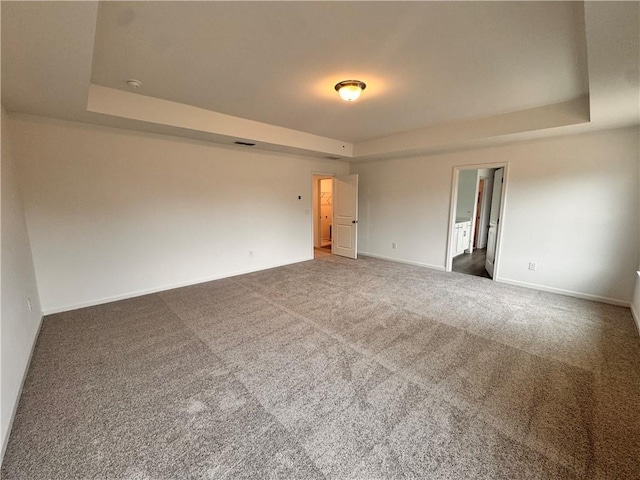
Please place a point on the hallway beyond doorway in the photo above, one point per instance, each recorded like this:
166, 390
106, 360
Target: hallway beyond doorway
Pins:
321, 252
471, 263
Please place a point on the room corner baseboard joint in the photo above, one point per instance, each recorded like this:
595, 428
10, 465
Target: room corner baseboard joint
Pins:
19, 395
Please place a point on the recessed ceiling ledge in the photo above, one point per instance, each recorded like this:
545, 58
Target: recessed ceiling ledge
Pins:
450, 135
110, 101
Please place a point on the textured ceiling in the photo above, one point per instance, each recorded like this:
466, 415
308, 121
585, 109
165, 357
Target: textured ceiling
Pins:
441, 75
424, 63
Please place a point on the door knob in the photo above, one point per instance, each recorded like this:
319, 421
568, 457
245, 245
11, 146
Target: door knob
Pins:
354, 221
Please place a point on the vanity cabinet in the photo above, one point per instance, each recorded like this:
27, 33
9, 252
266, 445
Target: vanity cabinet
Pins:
461, 237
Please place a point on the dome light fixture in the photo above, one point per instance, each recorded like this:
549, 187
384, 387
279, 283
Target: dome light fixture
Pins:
133, 83
350, 90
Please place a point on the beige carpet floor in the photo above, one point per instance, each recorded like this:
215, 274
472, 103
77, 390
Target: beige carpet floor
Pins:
334, 369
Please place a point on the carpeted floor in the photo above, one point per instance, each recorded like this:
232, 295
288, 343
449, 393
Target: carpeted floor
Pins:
334, 369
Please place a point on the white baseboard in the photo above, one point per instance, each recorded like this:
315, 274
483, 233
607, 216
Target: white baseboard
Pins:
636, 317
398, 260
559, 291
22, 380
534, 286
568, 293
139, 293
635, 304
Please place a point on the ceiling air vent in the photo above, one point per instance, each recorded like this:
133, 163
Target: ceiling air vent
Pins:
245, 144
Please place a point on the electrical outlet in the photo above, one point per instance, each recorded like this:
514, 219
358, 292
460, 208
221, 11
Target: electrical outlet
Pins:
394, 245
250, 253
532, 266
29, 304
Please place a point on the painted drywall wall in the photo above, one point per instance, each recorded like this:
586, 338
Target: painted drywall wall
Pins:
635, 302
19, 324
113, 213
467, 181
571, 206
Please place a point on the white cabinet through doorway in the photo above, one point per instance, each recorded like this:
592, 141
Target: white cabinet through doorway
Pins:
461, 237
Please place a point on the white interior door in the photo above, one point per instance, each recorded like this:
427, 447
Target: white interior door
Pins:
494, 220
345, 216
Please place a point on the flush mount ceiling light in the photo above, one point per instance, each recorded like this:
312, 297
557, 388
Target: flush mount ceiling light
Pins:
350, 90
133, 83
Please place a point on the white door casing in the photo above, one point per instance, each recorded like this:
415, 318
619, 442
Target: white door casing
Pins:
345, 216
485, 211
494, 219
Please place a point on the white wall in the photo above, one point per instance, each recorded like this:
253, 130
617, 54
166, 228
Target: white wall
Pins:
19, 326
572, 207
467, 182
635, 302
113, 213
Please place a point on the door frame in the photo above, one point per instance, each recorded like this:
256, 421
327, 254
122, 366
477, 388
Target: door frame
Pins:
477, 213
454, 204
315, 206
483, 208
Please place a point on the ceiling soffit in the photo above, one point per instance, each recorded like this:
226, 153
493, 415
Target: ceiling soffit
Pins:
602, 98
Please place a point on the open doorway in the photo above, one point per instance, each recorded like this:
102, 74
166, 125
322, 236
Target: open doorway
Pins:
477, 204
326, 212
335, 215
322, 215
